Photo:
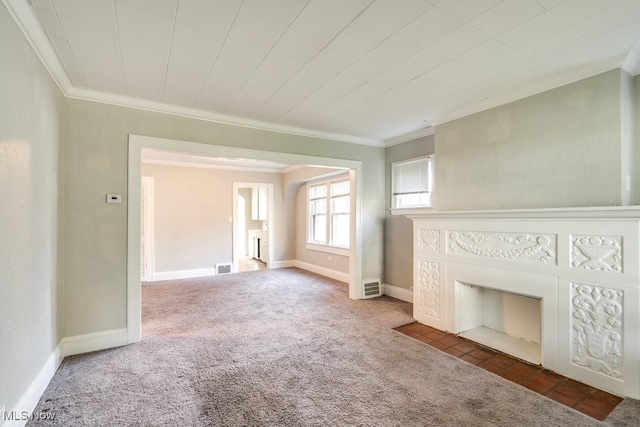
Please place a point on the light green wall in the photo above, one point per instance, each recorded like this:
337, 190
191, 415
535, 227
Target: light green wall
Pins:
31, 116
398, 229
560, 148
95, 161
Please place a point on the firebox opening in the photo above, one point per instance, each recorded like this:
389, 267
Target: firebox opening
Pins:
507, 322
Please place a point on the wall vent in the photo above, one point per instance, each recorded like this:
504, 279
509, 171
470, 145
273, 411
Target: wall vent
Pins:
372, 288
223, 268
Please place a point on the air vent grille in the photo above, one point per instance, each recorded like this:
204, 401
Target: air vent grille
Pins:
372, 289
223, 268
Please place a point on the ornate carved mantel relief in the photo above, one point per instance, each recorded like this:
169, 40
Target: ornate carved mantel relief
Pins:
538, 248
429, 288
597, 329
601, 253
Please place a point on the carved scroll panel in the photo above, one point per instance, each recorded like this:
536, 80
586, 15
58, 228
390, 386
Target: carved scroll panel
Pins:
596, 323
521, 247
429, 288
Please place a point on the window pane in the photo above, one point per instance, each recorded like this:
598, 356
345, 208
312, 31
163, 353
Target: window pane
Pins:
318, 206
318, 191
340, 230
340, 204
340, 188
411, 183
319, 228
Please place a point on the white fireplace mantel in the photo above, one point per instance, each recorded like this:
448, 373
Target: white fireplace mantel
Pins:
581, 263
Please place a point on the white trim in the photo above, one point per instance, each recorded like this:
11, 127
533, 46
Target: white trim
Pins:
323, 271
148, 221
30, 26
209, 166
183, 274
328, 249
609, 212
411, 136
31, 397
398, 292
631, 63
283, 264
79, 344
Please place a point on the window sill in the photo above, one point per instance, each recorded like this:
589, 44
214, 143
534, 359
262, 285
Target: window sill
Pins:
329, 249
410, 211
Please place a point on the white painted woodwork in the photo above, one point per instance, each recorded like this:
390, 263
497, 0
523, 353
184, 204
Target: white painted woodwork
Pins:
577, 267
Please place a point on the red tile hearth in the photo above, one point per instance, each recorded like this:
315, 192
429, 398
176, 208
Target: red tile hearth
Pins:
581, 397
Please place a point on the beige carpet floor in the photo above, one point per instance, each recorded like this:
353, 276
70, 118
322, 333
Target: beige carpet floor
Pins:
286, 348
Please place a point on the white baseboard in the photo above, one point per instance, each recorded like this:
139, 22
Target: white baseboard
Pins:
91, 342
283, 264
183, 274
27, 403
337, 275
399, 293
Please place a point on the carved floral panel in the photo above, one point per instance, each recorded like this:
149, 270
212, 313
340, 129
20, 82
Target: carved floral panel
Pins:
599, 253
429, 241
523, 247
429, 288
596, 328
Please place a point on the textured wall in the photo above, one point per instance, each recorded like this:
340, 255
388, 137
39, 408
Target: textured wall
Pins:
95, 161
31, 117
560, 148
398, 229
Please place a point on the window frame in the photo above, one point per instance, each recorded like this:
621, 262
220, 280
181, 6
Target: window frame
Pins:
328, 245
404, 209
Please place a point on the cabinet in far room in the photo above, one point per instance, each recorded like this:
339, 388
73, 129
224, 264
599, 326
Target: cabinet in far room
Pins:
259, 204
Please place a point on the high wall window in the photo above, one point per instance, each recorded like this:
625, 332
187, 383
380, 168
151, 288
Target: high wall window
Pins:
412, 183
329, 213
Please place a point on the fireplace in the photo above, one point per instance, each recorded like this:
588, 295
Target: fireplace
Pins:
558, 288
505, 321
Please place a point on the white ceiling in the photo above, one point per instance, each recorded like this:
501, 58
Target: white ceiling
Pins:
367, 71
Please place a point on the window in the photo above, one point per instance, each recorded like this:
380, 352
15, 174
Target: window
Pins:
330, 213
411, 183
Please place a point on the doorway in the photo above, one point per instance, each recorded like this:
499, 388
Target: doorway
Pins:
136, 145
253, 219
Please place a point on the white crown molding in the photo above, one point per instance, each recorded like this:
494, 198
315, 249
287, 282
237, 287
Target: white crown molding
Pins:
554, 81
194, 113
29, 24
631, 63
420, 133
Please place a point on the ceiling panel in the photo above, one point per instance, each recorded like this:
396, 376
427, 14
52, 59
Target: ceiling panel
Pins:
506, 16
144, 64
143, 24
166, 8
298, 46
281, 12
186, 75
255, 31
364, 69
320, 21
208, 15
386, 14
101, 12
